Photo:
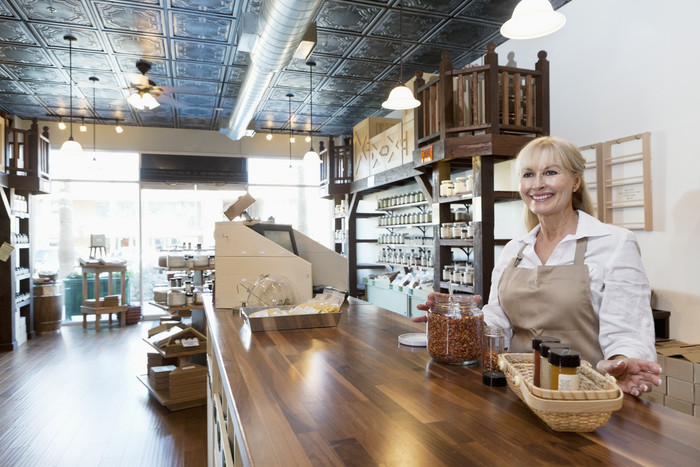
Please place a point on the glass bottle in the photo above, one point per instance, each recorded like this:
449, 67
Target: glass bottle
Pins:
455, 330
545, 366
563, 368
536, 341
494, 341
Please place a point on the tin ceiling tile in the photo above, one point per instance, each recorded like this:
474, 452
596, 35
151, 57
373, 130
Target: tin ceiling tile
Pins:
52, 35
15, 31
47, 88
199, 51
194, 100
231, 90
333, 43
195, 123
127, 64
24, 54
345, 16
148, 46
280, 94
36, 73
350, 86
130, 18
5, 10
198, 87
224, 7
90, 61
201, 27
71, 12
464, 34
498, 12
372, 48
235, 74
25, 112
361, 69
11, 87
411, 29
198, 70
199, 112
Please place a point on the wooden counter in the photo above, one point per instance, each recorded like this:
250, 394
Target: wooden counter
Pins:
353, 395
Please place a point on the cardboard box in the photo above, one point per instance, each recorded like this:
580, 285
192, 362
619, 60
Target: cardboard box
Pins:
654, 397
661, 360
681, 406
679, 389
238, 207
661, 388
680, 359
697, 394
696, 410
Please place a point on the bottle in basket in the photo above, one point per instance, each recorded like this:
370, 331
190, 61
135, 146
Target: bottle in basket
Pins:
563, 369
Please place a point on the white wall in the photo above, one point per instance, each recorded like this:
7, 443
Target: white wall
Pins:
624, 67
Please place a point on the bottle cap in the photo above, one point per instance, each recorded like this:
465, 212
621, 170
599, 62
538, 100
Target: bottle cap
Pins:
546, 347
565, 357
536, 341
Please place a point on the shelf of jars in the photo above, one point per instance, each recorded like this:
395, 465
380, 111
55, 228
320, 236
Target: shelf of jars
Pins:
405, 200
401, 258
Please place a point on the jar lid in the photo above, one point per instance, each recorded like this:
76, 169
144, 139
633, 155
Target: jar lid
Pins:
536, 341
493, 331
545, 347
565, 357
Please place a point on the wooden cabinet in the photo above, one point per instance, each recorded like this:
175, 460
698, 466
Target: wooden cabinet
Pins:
108, 304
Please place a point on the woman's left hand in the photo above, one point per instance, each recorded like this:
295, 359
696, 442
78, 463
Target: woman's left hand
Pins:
634, 375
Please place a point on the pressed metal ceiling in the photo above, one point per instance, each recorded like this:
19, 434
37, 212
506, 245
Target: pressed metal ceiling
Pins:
192, 45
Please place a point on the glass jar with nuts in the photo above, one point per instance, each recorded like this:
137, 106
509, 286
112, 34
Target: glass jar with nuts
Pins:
455, 329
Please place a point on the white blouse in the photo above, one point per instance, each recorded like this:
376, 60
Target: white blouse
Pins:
620, 290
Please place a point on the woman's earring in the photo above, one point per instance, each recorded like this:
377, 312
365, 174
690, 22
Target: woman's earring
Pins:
575, 190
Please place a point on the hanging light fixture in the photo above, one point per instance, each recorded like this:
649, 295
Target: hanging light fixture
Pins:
143, 100
291, 138
71, 145
401, 98
311, 155
94, 80
61, 124
83, 127
532, 19
118, 128
269, 135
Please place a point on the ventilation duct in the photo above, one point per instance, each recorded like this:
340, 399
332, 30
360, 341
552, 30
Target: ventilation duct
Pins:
281, 27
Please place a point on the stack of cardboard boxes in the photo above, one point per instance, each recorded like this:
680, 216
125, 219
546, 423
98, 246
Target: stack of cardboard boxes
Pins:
680, 381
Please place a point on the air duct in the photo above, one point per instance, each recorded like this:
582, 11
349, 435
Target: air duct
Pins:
281, 27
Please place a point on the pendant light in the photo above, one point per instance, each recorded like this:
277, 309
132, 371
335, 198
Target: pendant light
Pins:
118, 128
71, 145
61, 124
311, 155
532, 19
94, 80
401, 98
291, 138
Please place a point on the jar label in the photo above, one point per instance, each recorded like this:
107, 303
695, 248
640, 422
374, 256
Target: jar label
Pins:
568, 382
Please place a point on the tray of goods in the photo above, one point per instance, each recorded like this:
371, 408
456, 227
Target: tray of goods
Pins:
582, 410
321, 311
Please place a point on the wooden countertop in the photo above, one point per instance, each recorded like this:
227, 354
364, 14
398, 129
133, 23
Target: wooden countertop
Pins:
352, 395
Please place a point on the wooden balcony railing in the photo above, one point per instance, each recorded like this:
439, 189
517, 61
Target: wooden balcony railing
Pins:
336, 167
483, 99
26, 159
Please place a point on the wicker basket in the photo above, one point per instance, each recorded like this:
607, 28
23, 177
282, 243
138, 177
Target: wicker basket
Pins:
583, 410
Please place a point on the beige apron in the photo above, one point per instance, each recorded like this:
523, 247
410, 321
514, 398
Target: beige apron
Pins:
551, 301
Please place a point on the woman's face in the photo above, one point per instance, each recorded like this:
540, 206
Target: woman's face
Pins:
547, 188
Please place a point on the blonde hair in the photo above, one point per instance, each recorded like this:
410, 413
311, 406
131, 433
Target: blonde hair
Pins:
563, 153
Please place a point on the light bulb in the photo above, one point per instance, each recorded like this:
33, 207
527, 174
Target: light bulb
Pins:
292, 139
83, 127
61, 125
118, 129
307, 139
268, 137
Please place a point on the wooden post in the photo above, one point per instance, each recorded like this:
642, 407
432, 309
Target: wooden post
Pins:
445, 113
492, 106
418, 117
542, 89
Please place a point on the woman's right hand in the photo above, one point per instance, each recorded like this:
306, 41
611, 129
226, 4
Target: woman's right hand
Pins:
429, 302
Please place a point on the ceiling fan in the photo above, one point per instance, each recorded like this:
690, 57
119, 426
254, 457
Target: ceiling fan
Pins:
144, 90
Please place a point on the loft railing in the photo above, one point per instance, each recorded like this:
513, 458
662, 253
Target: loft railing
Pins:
27, 157
336, 165
483, 99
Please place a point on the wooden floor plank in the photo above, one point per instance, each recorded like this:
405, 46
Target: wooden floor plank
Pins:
72, 398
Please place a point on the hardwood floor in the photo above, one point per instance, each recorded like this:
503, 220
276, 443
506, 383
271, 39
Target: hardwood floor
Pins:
71, 398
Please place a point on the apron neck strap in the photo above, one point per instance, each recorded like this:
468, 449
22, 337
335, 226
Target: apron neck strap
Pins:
580, 250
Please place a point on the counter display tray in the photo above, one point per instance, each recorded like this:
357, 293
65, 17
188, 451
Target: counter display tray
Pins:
284, 322
584, 410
